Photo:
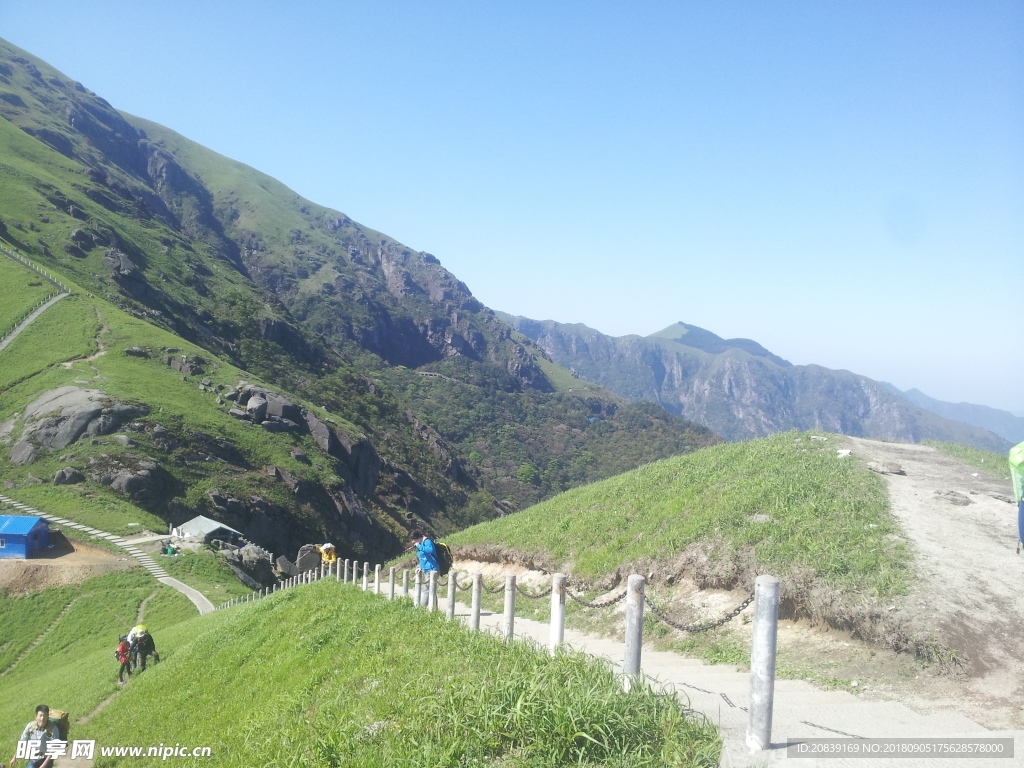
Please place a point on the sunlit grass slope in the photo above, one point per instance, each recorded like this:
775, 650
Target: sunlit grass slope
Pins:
786, 501
50, 354
73, 668
20, 290
326, 675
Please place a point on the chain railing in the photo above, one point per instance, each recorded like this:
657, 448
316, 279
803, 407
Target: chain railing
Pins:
596, 603
536, 596
696, 628
762, 656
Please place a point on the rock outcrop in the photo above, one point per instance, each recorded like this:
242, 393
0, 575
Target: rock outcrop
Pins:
62, 416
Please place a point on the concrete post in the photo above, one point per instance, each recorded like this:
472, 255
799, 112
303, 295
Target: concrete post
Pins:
391, 583
557, 611
345, 579
762, 662
635, 586
510, 606
478, 590
366, 576
452, 591
405, 582
376, 579
432, 592
419, 589
355, 571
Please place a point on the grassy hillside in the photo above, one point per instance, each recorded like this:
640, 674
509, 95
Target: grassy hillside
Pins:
327, 675
211, 256
784, 505
20, 290
73, 667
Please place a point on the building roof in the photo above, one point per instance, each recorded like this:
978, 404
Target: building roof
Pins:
203, 526
18, 524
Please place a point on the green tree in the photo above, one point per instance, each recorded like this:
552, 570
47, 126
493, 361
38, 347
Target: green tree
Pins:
527, 474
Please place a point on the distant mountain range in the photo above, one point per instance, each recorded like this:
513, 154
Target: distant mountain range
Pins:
740, 390
1003, 423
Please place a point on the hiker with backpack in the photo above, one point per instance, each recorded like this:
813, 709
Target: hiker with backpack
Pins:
434, 557
124, 655
142, 646
42, 730
426, 552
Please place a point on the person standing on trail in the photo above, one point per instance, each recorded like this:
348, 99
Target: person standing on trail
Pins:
427, 554
124, 655
42, 731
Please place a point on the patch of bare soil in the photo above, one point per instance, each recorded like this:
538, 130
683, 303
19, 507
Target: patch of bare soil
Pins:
970, 592
66, 562
968, 603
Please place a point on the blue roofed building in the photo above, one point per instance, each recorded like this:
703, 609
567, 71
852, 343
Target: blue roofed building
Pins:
22, 536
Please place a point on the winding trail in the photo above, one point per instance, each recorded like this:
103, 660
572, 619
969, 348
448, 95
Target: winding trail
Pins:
62, 289
30, 319
202, 604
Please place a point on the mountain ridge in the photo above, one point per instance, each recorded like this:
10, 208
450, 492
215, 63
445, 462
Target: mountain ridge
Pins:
740, 390
466, 418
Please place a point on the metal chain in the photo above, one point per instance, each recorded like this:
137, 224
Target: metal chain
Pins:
698, 627
524, 593
594, 604
496, 590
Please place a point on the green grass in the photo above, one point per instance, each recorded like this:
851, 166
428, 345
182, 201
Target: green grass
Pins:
327, 675
73, 668
20, 290
23, 619
65, 331
824, 516
994, 463
206, 572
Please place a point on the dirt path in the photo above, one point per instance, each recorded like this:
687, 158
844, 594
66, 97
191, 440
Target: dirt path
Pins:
971, 581
29, 320
102, 350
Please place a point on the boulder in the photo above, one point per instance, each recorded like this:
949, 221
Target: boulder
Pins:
256, 407
282, 408
23, 452
136, 352
236, 507
68, 476
320, 432
143, 484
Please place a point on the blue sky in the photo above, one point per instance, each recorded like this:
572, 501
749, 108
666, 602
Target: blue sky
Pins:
842, 182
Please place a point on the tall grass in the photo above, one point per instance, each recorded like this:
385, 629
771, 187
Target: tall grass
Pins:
786, 501
327, 675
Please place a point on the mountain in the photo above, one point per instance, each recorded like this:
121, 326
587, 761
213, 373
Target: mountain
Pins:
1002, 423
412, 403
739, 389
